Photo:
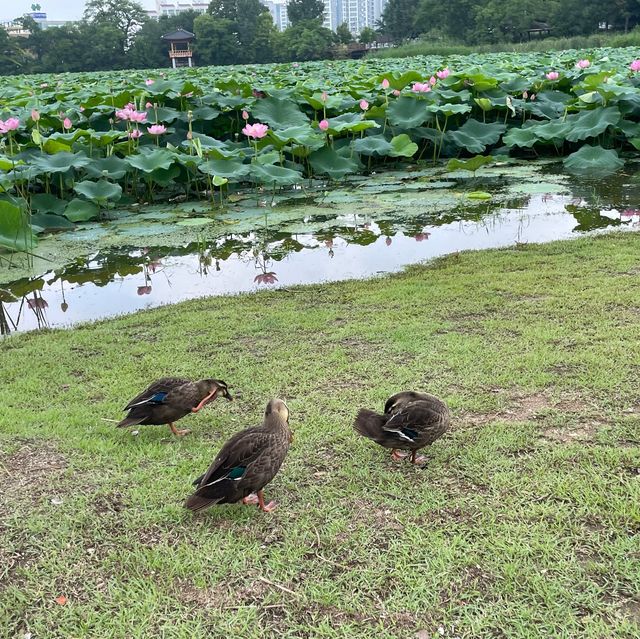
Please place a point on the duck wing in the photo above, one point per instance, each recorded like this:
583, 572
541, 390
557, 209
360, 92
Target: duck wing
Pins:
417, 423
157, 392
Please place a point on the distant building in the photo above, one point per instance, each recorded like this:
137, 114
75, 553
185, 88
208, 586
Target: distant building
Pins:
168, 8
358, 14
278, 11
16, 29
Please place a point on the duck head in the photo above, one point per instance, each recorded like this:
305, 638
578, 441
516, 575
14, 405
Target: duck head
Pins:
277, 407
213, 388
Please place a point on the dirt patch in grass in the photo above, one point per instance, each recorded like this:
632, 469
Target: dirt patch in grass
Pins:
631, 610
30, 471
567, 435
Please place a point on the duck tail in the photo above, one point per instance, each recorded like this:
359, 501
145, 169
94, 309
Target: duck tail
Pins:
129, 421
369, 424
196, 502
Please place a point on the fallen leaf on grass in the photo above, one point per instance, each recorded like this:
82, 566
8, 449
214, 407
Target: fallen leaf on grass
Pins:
61, 600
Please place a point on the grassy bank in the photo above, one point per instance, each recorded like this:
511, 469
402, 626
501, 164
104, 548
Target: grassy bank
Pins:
524, 523
447, 47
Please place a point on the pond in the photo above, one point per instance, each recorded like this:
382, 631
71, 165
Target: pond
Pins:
164, 253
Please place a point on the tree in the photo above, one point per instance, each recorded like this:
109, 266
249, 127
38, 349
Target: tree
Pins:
398, 19
367, 35
125, 15
216, 43
343, 34
307, 41
12, 58
305, 10
262, 48
242, 18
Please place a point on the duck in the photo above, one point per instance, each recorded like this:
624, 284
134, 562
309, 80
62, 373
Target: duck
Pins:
411, 421
246, 463
169, 399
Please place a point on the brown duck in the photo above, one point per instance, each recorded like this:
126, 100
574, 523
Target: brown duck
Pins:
169, 399
410, 421
246, 463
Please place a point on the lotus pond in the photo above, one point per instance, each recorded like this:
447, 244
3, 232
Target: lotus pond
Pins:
119, 191
157, 254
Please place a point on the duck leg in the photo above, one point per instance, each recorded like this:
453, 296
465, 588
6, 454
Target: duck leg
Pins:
250, 500
269, 507
396, 455
177, 432
418, 460
210, 396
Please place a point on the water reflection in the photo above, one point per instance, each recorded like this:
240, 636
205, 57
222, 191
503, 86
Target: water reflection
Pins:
110, 283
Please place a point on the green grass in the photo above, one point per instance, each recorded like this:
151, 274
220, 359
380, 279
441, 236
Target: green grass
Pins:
431, 46
524, 523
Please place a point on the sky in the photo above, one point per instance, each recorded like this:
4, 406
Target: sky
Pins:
55, 9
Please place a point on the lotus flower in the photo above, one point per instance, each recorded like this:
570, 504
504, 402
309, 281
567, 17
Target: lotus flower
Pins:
525, 95
135, 134
245, 115
67, 124
583, 64
148, 105
323, 125
138, 116
443, 74
364, 105
421, 87
144, 290
9, 125
157, 129
635, 65
255, 131
149, 82
35, 115
266, 278
324, 96
432, 81
552, 75
385, 84
396, 92
421, 237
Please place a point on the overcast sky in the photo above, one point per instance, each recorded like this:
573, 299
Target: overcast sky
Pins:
55, 9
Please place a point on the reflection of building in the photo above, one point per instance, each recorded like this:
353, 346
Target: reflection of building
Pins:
278, 10
173, 8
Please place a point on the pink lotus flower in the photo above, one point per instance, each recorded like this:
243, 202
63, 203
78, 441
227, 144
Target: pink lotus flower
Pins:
432, 81
148, 105
525, 95
9, 125
144, 290
157, 129
323, 125
138, 116
533, 97
583, 64
421, 87
255, 131
44, 85
364, 105
135, 134
266, 278
385, 84
421, 237
396, 92
66, 123
324, 96
635, 65
35, 115
245, 115
149, 82
443, 74
552, 75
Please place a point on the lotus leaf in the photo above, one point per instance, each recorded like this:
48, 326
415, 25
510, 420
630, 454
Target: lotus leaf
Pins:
593, 160
79, 210
99, 191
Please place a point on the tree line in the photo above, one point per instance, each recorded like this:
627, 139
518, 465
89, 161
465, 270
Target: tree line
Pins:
499, 21
118, 34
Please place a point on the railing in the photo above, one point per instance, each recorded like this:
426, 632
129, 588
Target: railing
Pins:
181, 54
